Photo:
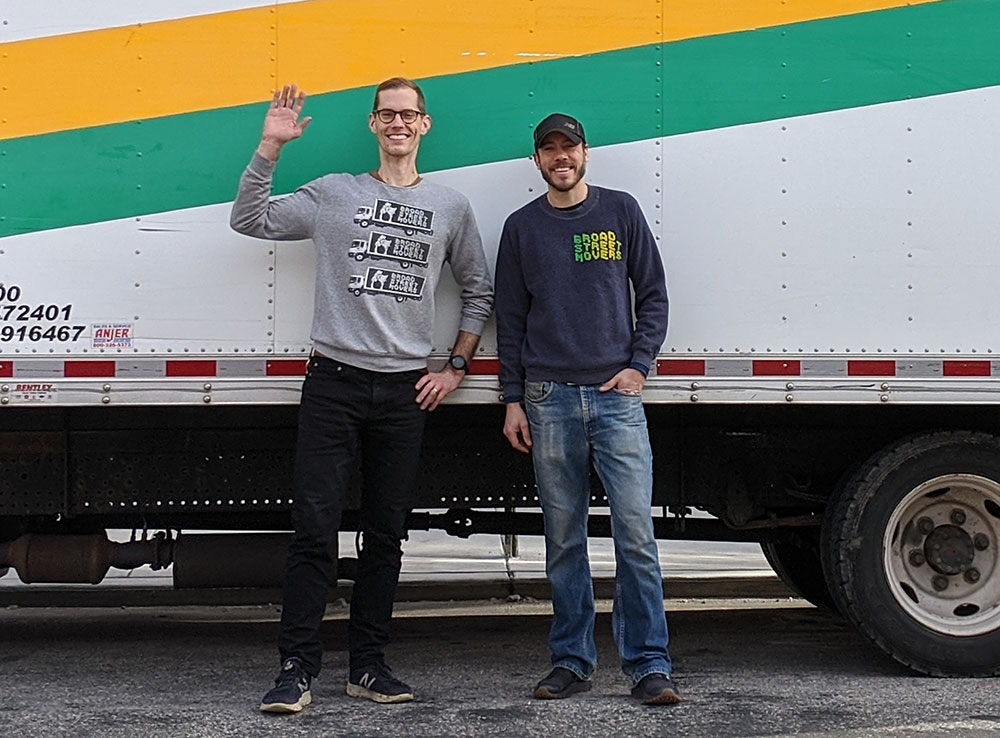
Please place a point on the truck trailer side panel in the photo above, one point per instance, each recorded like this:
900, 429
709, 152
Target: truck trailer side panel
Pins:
820, 177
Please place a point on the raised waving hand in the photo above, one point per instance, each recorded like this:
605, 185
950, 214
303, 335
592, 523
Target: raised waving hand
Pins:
282, 123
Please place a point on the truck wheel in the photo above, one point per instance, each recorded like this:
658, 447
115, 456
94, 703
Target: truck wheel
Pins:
911, 552
796, 560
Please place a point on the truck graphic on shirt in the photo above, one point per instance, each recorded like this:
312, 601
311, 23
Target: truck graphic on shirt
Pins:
377, 281
387, 213
405, 251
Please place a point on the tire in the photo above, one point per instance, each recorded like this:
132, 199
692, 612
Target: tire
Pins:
910, 547
796, 560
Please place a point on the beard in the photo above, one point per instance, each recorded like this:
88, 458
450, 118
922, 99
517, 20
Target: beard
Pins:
568, 185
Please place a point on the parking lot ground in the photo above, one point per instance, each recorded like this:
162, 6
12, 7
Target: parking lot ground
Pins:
746, 666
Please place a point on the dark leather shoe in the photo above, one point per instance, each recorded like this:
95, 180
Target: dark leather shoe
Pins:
656, 689
560, 682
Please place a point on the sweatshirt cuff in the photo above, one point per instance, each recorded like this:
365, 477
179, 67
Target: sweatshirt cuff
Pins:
642, 368
513, 393
260, 165
471, 325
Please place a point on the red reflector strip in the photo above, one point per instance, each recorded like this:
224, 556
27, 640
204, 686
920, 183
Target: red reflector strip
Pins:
89, 369
776, 368
871, 368
297, 367
191, 369
681, 367
481, 367
966, 368
287, 368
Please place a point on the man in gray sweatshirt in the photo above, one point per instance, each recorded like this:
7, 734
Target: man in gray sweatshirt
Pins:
381, 240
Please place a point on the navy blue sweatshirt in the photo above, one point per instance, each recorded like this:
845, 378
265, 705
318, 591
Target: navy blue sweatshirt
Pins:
563, 304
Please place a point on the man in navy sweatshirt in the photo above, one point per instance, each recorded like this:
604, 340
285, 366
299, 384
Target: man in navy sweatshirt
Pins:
573, 361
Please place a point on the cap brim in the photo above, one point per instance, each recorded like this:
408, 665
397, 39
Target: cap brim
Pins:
574, 137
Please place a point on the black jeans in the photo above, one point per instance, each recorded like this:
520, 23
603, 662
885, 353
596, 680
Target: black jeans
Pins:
346, 411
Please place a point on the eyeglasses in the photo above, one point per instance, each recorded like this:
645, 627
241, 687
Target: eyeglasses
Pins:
387, 115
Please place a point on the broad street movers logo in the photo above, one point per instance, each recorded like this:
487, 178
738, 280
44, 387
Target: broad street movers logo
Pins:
406, 251
389, 213
376, 281
603, 246
416, 217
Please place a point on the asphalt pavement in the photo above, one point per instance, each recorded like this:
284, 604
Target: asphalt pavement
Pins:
750, 660
746, 667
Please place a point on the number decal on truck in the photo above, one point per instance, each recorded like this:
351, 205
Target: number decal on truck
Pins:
10, 292
37, 333
38, 312
34, 323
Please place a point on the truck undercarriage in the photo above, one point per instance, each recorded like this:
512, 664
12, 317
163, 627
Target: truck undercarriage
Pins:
841, 498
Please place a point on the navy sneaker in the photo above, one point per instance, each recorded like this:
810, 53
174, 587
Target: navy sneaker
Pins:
656, 689
376, 683
291, 689
560, 682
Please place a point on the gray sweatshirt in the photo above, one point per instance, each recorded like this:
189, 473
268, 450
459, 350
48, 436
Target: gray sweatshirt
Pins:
379, 254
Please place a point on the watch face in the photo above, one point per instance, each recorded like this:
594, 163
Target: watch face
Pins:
458, 362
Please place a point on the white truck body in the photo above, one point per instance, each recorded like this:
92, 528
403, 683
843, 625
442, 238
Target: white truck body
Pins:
821, 178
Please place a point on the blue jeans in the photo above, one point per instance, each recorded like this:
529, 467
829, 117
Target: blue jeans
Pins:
572, 426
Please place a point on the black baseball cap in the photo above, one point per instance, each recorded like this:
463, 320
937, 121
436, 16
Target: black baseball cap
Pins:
565, 124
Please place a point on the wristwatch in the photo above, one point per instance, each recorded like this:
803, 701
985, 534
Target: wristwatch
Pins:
458, 363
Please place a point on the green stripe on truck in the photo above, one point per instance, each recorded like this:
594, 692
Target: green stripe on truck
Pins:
125, 170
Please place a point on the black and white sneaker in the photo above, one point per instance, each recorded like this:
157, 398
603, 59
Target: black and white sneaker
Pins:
376, 683
291, 689
560, 683
656, 689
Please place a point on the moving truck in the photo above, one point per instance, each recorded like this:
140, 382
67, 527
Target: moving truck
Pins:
377, 246
387, 213
376, 281
822, 179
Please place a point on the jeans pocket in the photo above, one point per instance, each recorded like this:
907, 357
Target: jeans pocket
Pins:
627, 393
538, 391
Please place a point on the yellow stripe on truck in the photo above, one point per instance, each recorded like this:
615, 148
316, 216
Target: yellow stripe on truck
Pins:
227, 59
697, 18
